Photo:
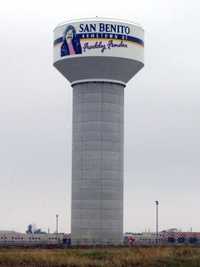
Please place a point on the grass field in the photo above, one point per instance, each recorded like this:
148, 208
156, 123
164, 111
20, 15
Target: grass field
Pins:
104, 257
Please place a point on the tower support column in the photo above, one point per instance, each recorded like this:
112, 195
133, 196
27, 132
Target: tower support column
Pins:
97, 163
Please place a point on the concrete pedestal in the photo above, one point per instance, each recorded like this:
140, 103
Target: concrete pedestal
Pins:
97, 163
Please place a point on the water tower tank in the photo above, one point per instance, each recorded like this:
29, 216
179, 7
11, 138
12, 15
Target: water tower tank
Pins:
98, 57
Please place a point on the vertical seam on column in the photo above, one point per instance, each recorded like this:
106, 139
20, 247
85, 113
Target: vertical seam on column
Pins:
78, 106
72, 155
101, 123
122, 153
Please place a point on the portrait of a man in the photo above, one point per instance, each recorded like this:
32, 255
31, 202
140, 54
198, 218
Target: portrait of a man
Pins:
71, 42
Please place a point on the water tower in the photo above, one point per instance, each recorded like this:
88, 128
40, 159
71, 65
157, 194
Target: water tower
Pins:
98, 57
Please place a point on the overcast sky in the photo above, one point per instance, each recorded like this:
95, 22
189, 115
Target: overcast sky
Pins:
162, 115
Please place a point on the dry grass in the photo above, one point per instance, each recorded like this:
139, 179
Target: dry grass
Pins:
107, 257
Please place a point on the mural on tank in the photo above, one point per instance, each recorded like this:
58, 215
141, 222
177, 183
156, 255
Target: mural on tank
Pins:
92, 39
71, 42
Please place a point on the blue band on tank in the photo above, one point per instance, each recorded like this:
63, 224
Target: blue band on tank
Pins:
105, 36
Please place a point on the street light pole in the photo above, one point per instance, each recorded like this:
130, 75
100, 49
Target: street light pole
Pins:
57, 223
157, 203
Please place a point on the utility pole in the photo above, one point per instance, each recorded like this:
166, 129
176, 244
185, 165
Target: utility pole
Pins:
157, 203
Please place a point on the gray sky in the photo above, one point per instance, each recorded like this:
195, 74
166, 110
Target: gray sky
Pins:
162, 125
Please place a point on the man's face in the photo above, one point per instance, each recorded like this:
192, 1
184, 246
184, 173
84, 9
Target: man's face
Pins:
69, 35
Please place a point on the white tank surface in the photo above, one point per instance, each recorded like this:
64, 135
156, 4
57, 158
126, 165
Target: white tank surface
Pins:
98, 57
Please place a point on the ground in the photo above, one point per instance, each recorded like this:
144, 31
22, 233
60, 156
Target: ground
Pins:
102, 257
